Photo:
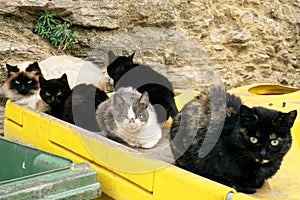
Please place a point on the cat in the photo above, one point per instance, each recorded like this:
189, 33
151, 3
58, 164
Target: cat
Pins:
28, 73
54, 92
66, 104
80, 107
127, 116
78, 70
249, 150
22, 84
125, 72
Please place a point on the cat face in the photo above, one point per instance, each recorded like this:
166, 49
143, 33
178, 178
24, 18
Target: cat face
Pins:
55, 91
22, 82
119, 65
266, 133
131, 116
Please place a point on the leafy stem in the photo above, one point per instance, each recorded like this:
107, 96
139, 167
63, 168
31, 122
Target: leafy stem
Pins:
56, 31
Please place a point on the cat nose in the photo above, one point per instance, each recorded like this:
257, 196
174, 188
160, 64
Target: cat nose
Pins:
53, 98
131, 120
263, 152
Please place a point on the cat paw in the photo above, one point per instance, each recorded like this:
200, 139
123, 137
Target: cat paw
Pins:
148, 145
245, 189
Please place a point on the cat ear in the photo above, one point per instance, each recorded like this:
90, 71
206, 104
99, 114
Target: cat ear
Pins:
286, 119
247, 115
144, 100
64, 78
12, 69
42, 81
117, 100
131, 56
34, 67
111, 57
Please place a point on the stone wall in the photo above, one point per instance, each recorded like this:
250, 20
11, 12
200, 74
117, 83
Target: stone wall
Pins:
242, 42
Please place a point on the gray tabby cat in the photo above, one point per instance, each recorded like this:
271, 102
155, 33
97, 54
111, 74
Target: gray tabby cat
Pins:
128, 116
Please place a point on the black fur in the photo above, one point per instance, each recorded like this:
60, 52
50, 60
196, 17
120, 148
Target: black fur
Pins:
126, 73
77, 106
11, 69
55, 93
243, 156
80, 107
34, 67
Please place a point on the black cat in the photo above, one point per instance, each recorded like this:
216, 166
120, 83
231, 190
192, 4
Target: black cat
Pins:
76, 106
80, 107
126, 73
55, 92
249, 150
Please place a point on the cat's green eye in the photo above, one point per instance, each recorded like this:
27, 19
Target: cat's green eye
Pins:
274, 142
59, 93
48, 94
253, 140
29, 81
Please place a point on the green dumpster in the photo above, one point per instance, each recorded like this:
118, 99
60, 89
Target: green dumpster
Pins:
30, 173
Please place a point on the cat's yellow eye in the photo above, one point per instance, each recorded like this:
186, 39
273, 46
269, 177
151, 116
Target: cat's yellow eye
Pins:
59, 93
274, 142
253, 140
48, 94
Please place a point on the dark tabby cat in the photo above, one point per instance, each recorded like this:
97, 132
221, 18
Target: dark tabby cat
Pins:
126, 73
80, 107
249, 150
55, 92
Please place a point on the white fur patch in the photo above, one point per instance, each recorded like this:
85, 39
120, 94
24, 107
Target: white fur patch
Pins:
146, 137
130, 113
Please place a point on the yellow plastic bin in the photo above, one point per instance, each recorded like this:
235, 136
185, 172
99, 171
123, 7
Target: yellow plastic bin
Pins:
158, 180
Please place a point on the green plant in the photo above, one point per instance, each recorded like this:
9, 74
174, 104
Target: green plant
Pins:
56, 31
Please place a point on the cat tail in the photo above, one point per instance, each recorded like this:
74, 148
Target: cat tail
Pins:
172, 108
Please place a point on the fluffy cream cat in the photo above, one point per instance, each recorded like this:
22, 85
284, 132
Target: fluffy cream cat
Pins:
78, 71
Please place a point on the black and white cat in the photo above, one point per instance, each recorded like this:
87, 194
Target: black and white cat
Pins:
126, 73
128, 116
249, 150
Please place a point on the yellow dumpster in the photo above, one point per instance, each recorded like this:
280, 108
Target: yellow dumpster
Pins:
125, 173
